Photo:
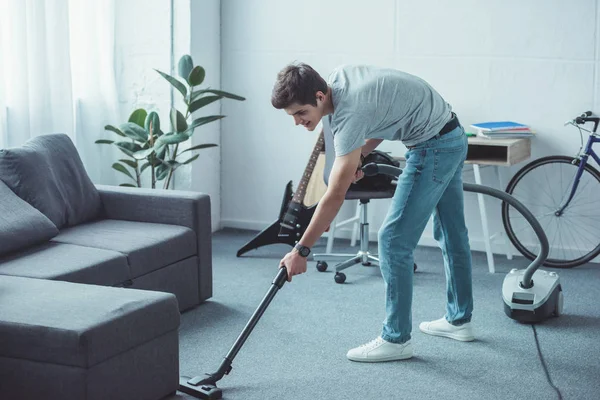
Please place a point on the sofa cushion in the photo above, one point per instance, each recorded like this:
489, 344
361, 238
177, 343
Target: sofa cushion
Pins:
21, 225
80, 325
148, 246
67, 262
47, 173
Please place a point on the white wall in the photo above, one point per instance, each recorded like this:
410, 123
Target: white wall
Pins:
534, 62
142, 43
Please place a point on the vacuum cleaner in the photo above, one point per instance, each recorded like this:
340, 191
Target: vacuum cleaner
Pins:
205, 387
530, 295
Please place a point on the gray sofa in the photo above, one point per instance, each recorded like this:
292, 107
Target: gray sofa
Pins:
72, 254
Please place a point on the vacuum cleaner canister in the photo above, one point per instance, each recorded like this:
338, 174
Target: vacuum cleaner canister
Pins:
535, 304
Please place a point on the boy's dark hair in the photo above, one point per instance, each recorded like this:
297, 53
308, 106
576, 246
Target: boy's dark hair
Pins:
297, 83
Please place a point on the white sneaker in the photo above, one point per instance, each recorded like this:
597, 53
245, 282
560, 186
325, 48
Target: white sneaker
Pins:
381, 350
441, 327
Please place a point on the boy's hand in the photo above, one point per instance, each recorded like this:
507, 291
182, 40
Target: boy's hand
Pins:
295, 264
358, 175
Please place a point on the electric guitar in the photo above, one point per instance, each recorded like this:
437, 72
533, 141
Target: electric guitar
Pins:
294, 215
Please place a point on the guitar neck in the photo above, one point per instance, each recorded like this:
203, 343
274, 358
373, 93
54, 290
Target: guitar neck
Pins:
308, 171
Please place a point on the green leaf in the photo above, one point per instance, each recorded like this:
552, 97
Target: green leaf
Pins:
173, 164
138, 117
200, 146
173, 81
113, 129
196, 76
171, 139
141, 155
178, 121
185, 66
134, 131
102, 141
203, 101
161, 172
153, 119
146, 165
132, 164
161, 151
127, 185
228, 95
191, 159
202, 121
121, 168
128, 147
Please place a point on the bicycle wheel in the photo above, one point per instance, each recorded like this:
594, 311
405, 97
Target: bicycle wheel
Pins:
543, 186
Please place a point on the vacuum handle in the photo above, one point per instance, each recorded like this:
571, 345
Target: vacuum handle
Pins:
281, 277
225, 367
277, 283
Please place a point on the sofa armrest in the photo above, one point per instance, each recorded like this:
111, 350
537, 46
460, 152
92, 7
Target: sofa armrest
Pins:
175, 207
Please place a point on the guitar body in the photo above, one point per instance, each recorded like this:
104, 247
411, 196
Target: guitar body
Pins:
287, 229
295, 221
294, 216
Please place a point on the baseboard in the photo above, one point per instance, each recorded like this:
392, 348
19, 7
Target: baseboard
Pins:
346, 233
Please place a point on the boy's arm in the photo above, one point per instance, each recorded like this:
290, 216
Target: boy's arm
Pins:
342, 175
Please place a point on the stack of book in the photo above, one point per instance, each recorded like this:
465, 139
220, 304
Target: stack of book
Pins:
502, 130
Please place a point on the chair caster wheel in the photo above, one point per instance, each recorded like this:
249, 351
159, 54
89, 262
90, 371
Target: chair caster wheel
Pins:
340, 277
321, 266
414, 267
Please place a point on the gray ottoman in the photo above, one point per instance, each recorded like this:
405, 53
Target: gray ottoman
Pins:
69, 341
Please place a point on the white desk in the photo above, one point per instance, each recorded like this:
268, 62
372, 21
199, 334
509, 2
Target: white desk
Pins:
495, 153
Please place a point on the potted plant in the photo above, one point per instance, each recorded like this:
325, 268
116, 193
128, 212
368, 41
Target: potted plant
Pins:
148, 147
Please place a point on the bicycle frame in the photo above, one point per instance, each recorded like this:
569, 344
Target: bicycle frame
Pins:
589, 151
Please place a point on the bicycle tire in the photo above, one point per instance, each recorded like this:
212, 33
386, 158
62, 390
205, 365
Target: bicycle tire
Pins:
506, 221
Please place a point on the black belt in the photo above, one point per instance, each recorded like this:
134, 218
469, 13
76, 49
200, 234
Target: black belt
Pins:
449, 127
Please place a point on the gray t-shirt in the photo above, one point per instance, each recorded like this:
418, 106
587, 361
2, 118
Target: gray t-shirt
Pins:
381, 103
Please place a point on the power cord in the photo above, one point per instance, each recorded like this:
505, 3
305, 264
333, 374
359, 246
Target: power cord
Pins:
541, 356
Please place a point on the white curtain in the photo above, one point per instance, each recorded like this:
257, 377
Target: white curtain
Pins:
57, 74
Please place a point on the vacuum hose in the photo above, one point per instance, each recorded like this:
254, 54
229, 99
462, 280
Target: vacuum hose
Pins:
374, 169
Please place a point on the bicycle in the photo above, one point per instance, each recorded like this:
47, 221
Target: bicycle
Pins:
562, 193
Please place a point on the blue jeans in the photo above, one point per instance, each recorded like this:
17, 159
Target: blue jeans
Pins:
430, 183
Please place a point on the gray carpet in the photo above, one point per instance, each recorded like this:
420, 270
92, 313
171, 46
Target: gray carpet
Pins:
297, 350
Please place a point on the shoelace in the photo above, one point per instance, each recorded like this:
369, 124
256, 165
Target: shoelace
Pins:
373, 343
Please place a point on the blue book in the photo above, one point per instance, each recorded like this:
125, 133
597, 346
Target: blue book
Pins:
498, 126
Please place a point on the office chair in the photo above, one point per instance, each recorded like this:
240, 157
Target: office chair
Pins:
363, 256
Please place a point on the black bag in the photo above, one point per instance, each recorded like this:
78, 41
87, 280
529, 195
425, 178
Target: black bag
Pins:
379, 182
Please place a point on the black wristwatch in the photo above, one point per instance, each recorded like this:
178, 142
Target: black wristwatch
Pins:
302, 250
